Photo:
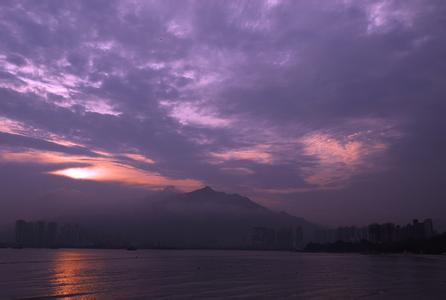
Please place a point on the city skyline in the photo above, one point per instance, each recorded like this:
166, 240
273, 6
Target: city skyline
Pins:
43, 234
330, 111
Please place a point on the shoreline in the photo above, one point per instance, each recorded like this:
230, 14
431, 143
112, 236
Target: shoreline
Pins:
232, 249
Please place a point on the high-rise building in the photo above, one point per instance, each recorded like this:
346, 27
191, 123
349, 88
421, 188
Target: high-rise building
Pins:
387, 233
285, 240
299, 238
428, 228
263, 238
51, 234
374, 233
39, 237
20, 232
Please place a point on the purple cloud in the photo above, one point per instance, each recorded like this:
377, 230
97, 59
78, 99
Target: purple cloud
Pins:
297, 104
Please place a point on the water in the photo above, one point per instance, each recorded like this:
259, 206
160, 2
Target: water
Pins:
195, 274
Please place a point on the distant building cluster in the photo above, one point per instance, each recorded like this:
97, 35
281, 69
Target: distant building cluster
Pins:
378, 233
41, 234
287, 238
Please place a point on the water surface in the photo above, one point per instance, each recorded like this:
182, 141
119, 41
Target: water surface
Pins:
194, 274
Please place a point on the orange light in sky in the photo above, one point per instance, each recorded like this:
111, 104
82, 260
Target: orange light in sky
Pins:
78, 173
337, 160
106, 169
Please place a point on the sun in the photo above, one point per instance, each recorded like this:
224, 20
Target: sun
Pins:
78, 173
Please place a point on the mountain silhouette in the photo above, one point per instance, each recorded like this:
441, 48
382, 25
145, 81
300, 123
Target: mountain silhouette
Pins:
208, 201
204, 218
209, 218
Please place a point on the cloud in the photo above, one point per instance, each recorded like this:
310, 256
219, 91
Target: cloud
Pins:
139, 157
60, 86
383, 14
15, 127
258, 154
338, 161
189, 114
290, 98
107, 169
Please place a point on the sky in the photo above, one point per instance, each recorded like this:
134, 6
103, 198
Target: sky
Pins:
329, 110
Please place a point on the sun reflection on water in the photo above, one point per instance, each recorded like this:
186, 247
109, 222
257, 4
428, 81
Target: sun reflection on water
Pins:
71, 276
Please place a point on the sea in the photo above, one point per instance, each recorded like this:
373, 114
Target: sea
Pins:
217, 274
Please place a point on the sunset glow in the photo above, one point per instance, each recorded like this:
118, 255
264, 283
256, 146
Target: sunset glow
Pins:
106, 169
78, 173
337, 160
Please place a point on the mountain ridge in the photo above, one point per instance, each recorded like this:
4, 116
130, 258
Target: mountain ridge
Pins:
203, 218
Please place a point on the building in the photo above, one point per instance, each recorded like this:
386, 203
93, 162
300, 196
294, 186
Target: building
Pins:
263, 238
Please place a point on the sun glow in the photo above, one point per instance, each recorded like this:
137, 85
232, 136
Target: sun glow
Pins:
107, 168
78, 173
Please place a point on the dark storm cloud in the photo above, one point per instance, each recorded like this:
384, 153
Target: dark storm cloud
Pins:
296, 103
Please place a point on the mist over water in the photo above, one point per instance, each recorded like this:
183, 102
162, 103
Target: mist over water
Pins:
192, 274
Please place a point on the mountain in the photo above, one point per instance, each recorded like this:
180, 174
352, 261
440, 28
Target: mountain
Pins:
209, 218
205, 202
204, 218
